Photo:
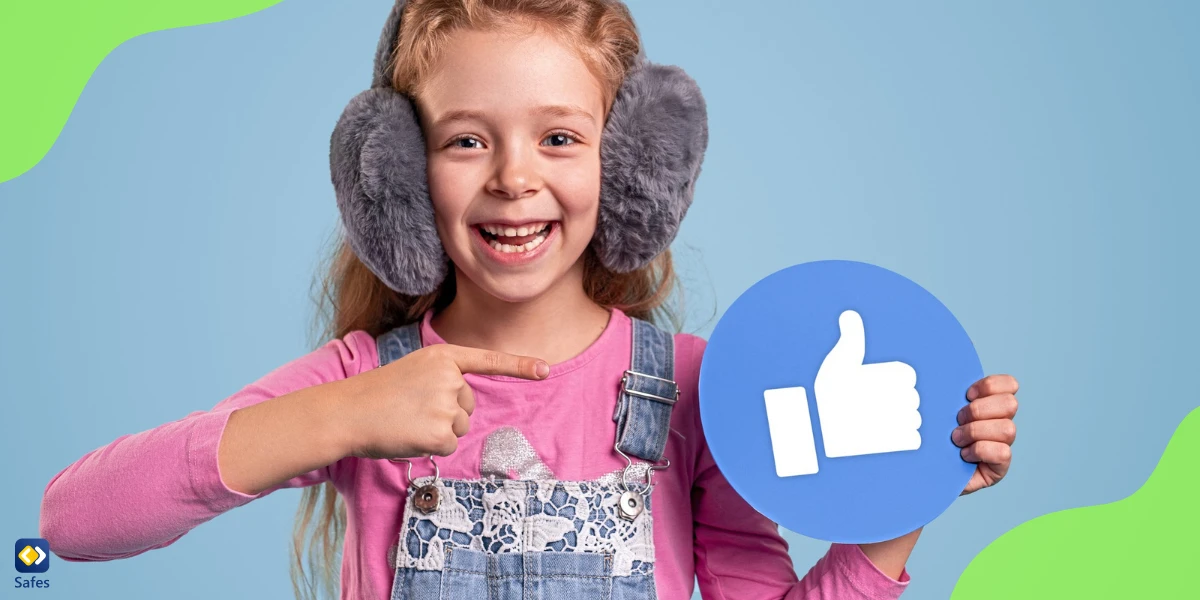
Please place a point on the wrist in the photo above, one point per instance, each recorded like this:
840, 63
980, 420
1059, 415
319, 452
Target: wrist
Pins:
891, 556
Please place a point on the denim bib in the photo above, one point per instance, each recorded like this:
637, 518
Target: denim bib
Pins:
541, 538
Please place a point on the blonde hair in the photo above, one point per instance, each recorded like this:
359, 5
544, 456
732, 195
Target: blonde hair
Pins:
352, 298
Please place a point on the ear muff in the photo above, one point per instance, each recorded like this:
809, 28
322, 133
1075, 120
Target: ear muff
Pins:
651, 150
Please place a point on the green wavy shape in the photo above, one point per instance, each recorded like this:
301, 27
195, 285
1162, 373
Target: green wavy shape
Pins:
50, 48
1144, 546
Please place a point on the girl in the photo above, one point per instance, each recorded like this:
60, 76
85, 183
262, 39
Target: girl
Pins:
491, 304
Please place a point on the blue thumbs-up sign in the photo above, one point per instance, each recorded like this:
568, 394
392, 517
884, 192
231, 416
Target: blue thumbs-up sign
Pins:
828, 392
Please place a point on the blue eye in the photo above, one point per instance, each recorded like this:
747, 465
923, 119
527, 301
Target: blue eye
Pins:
468, 142
558, 139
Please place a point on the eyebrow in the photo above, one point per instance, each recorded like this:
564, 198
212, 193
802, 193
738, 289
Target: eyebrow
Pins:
564, 111
557, 110
458, 115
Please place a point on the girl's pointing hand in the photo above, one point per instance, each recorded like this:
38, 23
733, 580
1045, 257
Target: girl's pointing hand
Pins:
420, 404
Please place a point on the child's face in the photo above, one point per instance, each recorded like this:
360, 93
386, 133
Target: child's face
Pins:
512, 124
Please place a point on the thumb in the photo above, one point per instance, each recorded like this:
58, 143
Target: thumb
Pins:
851, 346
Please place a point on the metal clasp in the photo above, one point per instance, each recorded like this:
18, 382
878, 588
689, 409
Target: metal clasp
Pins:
426, 498
632, 501
625, 387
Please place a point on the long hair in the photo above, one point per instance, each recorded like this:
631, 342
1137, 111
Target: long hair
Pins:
350, 297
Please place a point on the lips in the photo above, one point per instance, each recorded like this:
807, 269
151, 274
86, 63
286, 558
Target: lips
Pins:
498, 246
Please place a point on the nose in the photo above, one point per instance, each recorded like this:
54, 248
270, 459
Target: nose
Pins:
515, 175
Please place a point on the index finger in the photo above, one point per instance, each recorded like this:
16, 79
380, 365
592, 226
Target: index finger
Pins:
992, 385
491, 362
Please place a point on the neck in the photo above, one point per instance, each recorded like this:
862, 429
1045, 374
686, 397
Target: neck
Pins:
555, 326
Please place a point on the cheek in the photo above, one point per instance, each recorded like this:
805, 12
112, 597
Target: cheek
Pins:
579, 194
451, 190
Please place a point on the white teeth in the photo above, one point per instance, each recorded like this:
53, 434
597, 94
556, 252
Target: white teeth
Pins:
509, 248
503, 231
529, 229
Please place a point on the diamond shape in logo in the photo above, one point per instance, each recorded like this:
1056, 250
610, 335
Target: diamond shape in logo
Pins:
32, 555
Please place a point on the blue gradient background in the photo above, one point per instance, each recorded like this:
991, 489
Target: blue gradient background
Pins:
1034, 165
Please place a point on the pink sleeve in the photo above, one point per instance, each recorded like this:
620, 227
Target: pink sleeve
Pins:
740, 554
146, 490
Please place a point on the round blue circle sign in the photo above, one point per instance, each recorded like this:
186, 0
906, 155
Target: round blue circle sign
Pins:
828, 392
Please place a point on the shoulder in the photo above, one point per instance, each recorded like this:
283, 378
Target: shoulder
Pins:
685, 418
356, 351
689, 349
336, 359
344, 357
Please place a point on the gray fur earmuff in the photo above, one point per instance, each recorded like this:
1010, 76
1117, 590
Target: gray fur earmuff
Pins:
651, 150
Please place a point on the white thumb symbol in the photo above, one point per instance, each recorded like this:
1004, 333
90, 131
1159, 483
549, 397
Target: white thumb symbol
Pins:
851, 346
865, 409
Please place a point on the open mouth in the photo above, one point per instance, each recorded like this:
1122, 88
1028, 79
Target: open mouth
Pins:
513, 239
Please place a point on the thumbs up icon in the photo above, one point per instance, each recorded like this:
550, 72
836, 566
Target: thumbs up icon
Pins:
862, 408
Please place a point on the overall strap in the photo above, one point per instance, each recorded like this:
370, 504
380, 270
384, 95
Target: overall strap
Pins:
648, 393
394, 344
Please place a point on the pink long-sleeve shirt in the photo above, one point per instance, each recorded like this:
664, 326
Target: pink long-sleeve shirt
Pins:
146, 490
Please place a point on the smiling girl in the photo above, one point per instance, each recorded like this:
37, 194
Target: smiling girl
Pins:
509, 188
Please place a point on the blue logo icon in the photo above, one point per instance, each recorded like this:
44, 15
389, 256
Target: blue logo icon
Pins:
32, 555
828, 392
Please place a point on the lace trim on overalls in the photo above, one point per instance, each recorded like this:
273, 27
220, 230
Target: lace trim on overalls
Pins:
500, 516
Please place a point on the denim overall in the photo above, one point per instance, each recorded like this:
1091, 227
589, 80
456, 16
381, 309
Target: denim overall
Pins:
526, 539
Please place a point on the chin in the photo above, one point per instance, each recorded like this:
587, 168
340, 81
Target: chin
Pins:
515, 289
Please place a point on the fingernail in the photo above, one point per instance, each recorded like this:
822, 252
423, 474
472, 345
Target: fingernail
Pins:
956, 435
962, 415
543, 369
972, 393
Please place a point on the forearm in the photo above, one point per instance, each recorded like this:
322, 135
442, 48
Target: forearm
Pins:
891, 556
145, 490
130, 495
270, 442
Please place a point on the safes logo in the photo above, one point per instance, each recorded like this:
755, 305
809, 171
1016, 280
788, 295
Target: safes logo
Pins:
31, 555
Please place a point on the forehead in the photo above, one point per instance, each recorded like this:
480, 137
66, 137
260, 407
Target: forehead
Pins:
497, 72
